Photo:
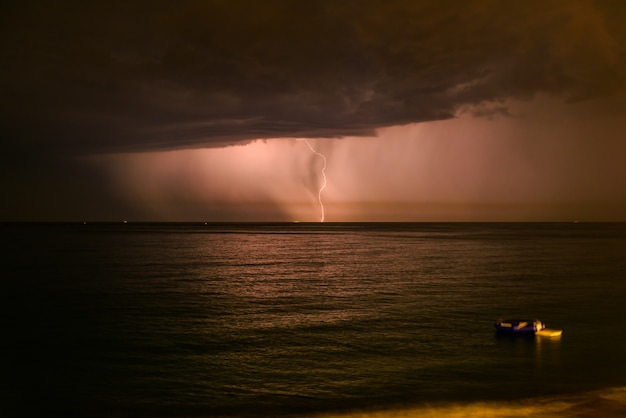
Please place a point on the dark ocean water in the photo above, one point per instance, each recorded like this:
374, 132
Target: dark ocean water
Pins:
143, 320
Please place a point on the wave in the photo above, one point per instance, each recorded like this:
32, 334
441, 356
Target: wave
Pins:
610, 402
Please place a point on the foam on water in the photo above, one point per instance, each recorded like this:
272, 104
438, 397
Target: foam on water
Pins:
608, 403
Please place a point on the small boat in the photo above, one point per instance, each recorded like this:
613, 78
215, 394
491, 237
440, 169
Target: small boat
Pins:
519, 326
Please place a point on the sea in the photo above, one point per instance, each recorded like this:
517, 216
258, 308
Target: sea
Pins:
344, 320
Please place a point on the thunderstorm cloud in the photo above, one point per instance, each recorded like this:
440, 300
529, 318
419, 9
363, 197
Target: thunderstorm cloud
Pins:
446, 110
118, 76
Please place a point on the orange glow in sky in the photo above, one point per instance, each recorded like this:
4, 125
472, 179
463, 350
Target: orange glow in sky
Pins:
509, 168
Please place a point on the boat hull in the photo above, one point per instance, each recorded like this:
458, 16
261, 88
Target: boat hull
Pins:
549, 332
519, 326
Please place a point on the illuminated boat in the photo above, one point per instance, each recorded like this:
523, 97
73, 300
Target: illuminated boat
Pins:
550, 333
519, 326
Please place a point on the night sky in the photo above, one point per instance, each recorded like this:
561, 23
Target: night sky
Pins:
477, 110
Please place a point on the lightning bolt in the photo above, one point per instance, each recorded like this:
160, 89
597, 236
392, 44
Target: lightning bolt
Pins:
323, 186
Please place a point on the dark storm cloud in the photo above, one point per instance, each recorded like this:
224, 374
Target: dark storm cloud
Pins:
86, 77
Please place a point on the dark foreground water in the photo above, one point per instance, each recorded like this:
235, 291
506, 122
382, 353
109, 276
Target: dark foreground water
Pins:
117, 320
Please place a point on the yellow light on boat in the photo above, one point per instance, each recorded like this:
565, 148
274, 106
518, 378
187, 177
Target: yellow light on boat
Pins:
547, 332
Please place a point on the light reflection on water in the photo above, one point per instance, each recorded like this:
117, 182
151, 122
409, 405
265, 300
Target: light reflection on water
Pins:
605, 403
279, 319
